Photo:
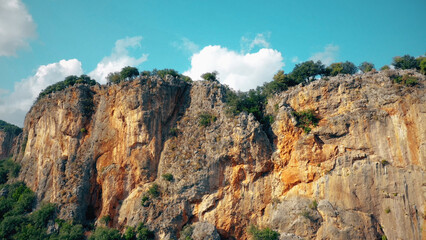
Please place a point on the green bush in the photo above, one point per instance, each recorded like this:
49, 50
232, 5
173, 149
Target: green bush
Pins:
314, 205
68, 82
168, 177
210, 76
9, 128
405, 62
264, 234
405, 80
103, 233
106, 219
143, 233
68, 231
154, 190
205, 119
366, 67
174, 132
8, 169
307, 71
41, 217
341, 68
385, 67
144, 200
422, 64
186, 233
306, 119
128, 73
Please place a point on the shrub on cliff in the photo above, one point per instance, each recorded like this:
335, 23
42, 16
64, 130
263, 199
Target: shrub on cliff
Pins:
341, 68
68, 82
405, 79
366, 67
306, 119
205, 119
8, 169
262, 234
129, 73
307, 71
405, 62
103, 233
210, 76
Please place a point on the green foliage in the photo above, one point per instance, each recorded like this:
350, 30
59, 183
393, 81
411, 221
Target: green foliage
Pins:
144, 200
186, 233
384, 162
11, 225
41, 217
306, 119
163, 73
9, 128
405, 62
384, 237
83, 130
19, 200
143, 233
205, 119
114, 77
68, 231
366, 67
264, 234
128, 73
68, 82
210, 76
405, 79
8, 169
105, 219
341, 68
168, 177
174, 131
154, 190
307, 71
314, 205
387, 210
385, 67
130, 233
280, 83
103, 233
422, 64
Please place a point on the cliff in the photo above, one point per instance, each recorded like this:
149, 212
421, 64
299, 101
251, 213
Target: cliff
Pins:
136, 152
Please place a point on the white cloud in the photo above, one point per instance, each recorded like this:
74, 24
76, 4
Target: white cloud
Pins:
16, 27
118, 59
186, 45
295, 60
328, 56
14, 106
240, 71
247, 45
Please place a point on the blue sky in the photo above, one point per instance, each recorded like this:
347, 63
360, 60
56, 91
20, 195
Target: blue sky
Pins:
246, 41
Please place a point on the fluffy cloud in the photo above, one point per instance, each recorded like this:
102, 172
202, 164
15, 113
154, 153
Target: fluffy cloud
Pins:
118, 59
14, 106
238, 70
327, 56
16, 27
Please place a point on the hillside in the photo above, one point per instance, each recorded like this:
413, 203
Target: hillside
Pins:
168, 153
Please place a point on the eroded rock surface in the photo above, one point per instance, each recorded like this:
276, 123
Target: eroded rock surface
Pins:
359, 174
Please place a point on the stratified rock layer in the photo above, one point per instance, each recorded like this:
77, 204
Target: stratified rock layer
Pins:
359, 174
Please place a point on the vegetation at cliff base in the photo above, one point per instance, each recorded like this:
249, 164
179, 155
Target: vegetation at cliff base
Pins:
262, 234
9, 128
8, 169
68, 82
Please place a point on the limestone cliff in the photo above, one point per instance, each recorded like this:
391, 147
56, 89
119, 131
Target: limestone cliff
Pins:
359, 174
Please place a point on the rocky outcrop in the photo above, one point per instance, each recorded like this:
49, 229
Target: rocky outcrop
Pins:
137, 152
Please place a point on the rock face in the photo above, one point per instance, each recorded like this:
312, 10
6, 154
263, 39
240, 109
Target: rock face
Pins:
8, 143
359, 174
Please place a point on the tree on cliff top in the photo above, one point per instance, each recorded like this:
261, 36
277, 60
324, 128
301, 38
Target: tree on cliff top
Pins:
129, 73
210, 76
366, 67
306, 71
341, 68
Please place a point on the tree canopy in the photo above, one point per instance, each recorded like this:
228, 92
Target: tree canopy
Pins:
307, 71
341, 68
405, 62
68, 82
210, 76
366, 67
